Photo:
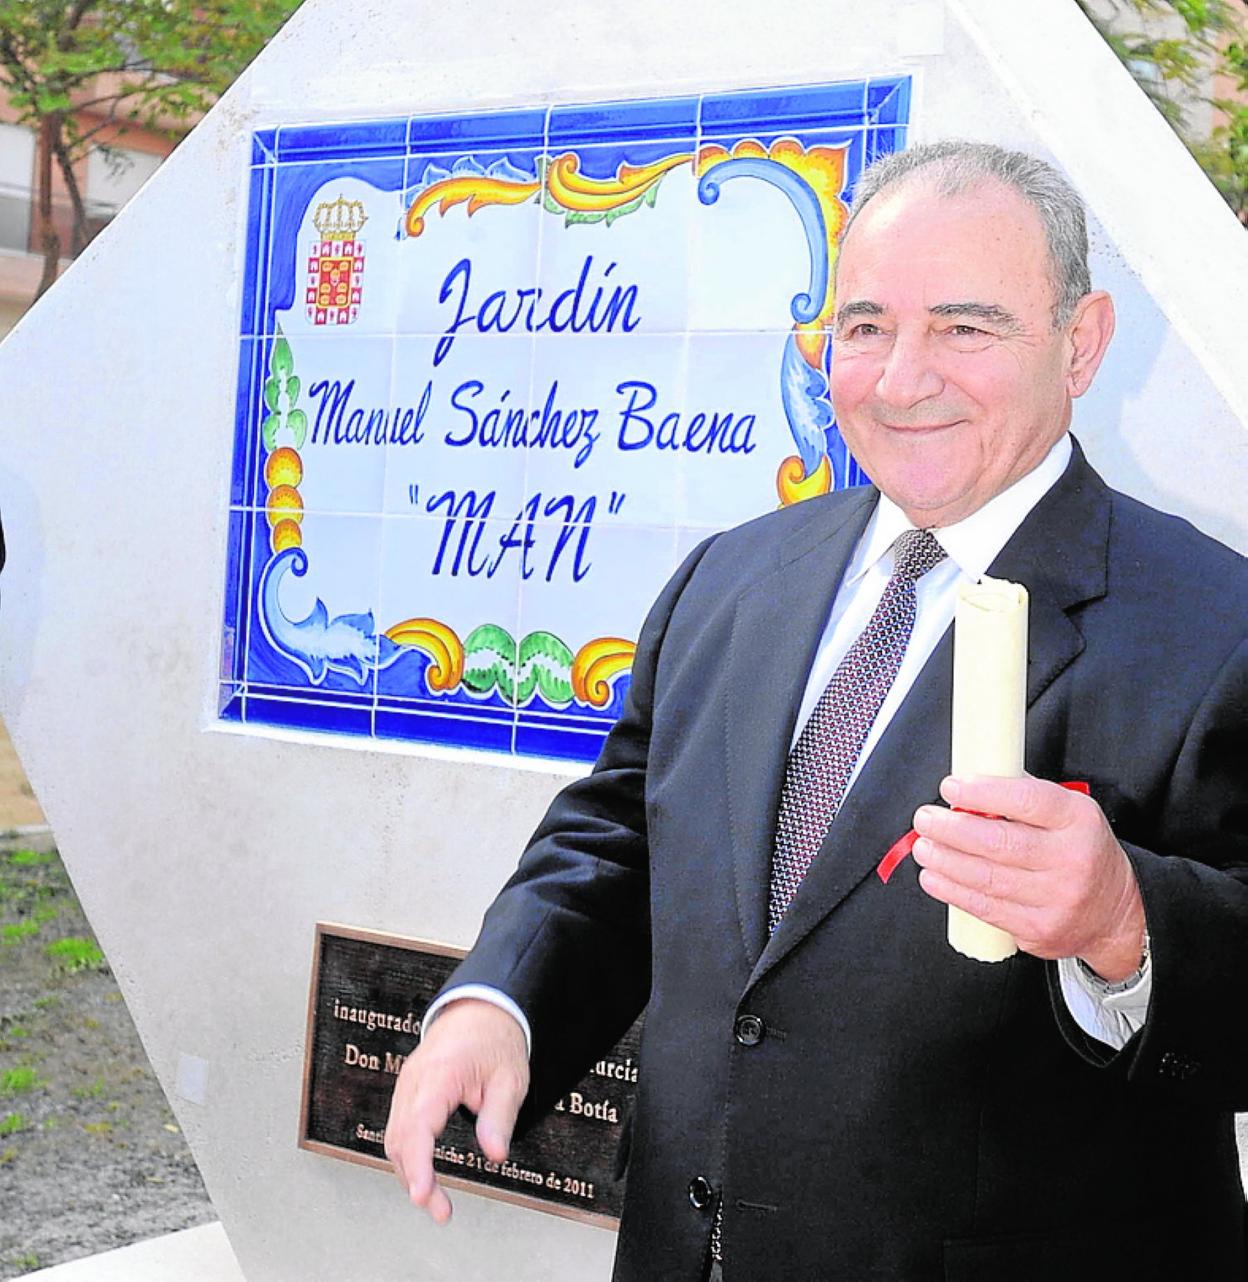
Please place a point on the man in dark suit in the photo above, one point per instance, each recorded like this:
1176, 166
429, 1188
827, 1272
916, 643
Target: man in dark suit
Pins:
827, 1090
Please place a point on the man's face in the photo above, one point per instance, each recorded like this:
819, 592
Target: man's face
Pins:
948, 380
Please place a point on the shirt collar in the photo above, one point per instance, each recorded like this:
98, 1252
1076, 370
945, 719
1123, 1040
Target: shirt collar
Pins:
972, 544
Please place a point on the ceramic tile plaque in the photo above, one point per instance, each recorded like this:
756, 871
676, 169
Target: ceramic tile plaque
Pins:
499, 374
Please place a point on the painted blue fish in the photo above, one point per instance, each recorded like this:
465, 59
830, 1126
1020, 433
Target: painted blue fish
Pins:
804, 392
347, 643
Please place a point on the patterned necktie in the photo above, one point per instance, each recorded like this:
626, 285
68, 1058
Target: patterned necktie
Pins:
823, 758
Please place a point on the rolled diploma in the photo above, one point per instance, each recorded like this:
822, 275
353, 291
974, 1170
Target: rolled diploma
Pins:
989, 716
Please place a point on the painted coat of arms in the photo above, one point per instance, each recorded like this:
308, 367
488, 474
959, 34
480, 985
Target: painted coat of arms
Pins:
336, 263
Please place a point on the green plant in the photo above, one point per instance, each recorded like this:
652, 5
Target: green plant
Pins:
28, 1262
29, 858
11, 1123
17, 1081
12, 932
75, 953
46, 1002
91, 1091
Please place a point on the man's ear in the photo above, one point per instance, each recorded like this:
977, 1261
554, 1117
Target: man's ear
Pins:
1088, 334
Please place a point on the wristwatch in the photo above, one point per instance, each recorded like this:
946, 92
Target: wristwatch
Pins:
1103, 985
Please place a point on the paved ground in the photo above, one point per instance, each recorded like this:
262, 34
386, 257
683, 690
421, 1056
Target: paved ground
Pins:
91, 1157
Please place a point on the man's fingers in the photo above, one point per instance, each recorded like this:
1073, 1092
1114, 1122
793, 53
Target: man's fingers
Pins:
504, 1093
995, 912
974, 872
437, 1205
428, 1120
1002, 841
1026, 799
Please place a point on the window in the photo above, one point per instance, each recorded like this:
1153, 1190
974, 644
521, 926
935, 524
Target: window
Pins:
17, 170
114, 174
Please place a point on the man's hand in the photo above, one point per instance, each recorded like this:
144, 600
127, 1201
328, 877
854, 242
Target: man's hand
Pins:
1049, 870
474, 1054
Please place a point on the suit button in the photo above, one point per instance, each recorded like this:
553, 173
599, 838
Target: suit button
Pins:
749, 1030
700, 1193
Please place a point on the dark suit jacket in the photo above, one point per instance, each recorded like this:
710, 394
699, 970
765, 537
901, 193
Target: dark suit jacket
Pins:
904, 1113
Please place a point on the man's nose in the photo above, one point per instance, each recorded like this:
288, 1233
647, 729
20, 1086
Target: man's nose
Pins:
909, 373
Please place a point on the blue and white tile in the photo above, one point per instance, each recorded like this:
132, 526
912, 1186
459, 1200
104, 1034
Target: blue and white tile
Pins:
448, 575
608, 271
344, 395
357, 204
602, 584
884, 141
246, 487
888, 100
316, 631
756, 255
463, 411
633, 120
339, 717
609, 421
470, 268
737, 406
784, 109
256, 247
348, 140
238, 574
483, 729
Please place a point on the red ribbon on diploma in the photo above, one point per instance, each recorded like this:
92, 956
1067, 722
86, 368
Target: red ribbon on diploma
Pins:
904, 845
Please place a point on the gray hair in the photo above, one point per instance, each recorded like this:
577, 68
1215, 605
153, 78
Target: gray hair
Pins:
955, 166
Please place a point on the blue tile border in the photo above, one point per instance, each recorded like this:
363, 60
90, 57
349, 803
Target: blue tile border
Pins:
473, 132
432, 727
263, 146
342, 141
256, 255
633, 121
565, 744
785, 110
883, 142
888, 100
298, 714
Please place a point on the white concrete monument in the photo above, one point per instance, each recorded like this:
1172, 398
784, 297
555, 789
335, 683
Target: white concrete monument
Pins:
337, 475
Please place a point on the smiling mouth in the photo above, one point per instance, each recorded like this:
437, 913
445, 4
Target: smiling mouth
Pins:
920, 429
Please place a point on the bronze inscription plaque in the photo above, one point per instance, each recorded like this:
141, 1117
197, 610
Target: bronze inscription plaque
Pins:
368, 993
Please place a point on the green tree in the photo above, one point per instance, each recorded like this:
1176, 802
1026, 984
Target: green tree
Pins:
74, 68
1174, 48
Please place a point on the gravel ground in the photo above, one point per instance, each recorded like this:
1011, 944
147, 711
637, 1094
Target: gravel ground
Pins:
90, 1154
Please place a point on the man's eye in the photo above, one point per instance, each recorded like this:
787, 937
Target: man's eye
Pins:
864, 329
967, 331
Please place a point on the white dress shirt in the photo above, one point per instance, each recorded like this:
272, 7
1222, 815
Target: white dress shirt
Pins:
1111, 1014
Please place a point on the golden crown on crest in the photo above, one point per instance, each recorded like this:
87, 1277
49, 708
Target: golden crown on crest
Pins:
339, 219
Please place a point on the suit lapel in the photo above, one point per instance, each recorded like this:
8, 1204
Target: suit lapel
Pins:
1059, 553
776, 630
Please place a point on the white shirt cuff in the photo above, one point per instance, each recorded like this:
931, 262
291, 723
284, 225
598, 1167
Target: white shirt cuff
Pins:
483, 993
1110, 1017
